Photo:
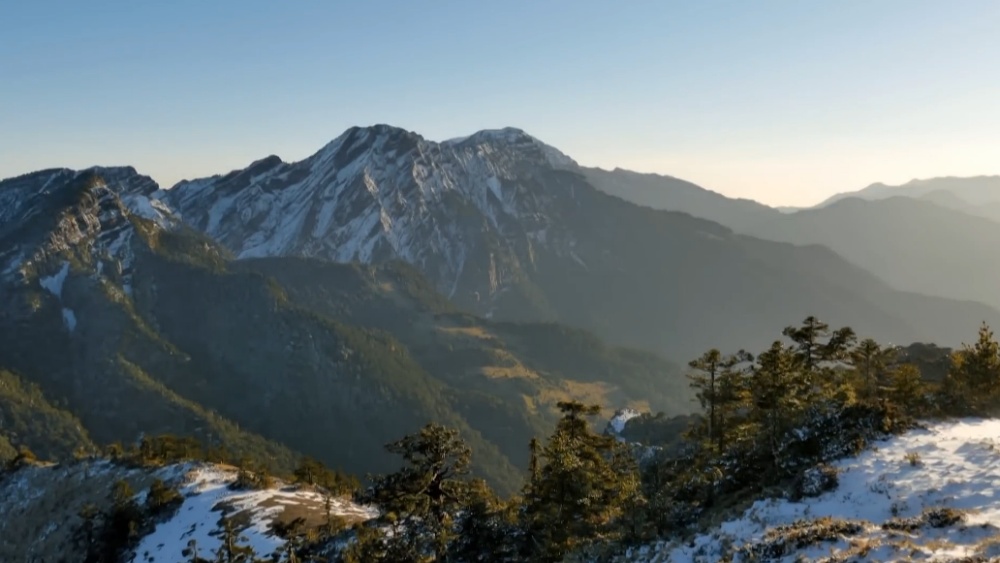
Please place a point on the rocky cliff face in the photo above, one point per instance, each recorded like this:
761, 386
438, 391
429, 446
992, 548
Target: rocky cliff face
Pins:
508, 227
134, 323
469, 213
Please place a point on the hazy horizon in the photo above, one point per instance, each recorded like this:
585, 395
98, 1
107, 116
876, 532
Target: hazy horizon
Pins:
784, 102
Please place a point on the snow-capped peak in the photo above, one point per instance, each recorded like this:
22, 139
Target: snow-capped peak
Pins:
514, 136
381, 193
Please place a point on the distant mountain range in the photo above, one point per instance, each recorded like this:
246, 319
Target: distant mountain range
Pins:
978, 195
329, 305
934, 237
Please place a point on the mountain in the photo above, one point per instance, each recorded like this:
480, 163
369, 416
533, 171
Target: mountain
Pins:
36, 496
979, 195
133, 323
673, 194
924, 237
509, 228
913, 244
922, 495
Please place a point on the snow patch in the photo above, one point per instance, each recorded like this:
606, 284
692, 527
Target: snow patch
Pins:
149, 208
69, 319
621, 417
54, 283
198, 518
952, 464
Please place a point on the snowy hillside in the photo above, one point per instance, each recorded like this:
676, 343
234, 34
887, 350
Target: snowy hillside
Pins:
381, 192
40, 509
207, 496
931, 494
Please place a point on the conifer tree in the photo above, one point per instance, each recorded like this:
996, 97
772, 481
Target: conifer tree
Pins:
816, 349
779, 392
123, 521
234, 547
815, 344
718, 381
974, 377
86, 536
421, 500
906, 389
808, 341
486, 529
872, 362
582, 487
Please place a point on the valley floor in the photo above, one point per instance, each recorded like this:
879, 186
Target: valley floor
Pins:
892, 504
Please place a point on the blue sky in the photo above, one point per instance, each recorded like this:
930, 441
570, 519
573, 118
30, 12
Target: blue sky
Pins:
784, 102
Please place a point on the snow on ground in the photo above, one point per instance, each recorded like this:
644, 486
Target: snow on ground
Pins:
54, 283
621, 417
69, 319
150, 208
952, 464
206, 493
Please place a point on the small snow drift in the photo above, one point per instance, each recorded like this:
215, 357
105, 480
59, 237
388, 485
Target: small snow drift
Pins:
207, 495
928, 494
54, 283
617, 423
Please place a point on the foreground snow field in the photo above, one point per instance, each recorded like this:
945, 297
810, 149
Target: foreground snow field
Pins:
887, 507
206, 493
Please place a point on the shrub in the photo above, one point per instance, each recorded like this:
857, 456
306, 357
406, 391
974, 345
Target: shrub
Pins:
816, 481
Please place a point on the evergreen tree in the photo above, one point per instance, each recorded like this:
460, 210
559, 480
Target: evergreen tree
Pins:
719, 385
486, 529
421, 500
974, 377
582, 488
86, 536
123, 522
872, 362
779, 392
816, 348
807, 338
234, 547
162, 497
906, 389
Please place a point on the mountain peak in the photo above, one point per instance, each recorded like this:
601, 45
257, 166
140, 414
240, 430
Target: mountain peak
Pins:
514, 137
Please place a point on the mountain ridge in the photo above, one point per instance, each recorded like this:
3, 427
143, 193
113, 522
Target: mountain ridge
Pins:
182, 339
501, 227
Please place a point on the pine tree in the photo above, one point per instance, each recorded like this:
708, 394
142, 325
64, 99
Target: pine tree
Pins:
86, 536
906, 389
124, 520
582, 488
534, 448
486, 529
421, 500
974, 377
161, 497
234, 548
779, 392
808, 346
816, 348
718, 381
872, 363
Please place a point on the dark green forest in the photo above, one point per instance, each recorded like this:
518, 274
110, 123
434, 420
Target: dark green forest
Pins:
767, 422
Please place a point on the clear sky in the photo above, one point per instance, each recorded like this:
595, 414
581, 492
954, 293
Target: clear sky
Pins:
785, 102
